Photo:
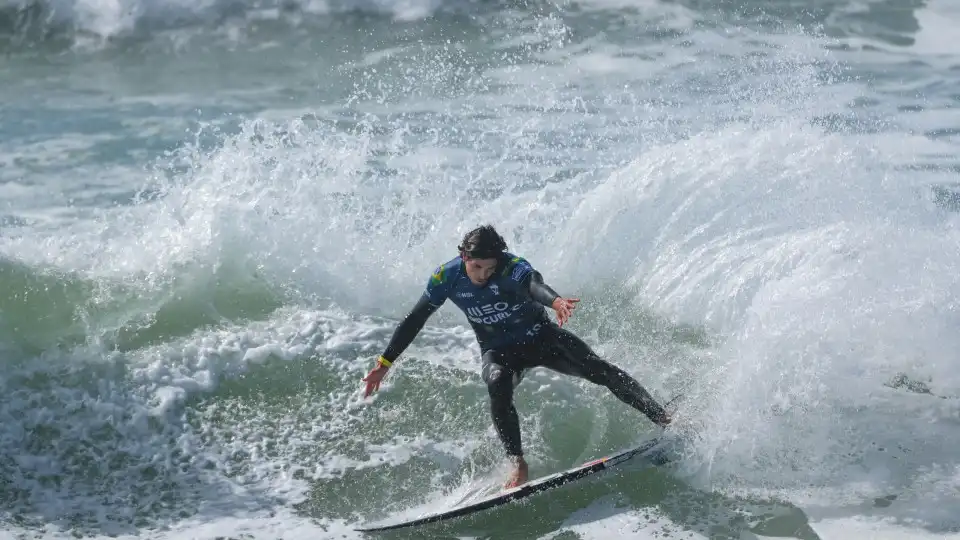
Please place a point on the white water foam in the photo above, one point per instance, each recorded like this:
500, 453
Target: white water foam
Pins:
937, 20
826, 277
610, 518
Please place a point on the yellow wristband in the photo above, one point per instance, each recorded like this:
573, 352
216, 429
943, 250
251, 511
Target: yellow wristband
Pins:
384, 362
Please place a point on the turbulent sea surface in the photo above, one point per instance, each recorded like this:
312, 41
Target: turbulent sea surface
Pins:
214, 213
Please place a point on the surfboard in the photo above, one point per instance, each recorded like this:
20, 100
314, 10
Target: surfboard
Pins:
652, 451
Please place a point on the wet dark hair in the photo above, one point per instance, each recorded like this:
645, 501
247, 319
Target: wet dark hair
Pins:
484, 242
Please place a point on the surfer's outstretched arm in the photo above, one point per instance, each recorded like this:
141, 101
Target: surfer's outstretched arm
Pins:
537, 290
402, 337
435, 294
408, 328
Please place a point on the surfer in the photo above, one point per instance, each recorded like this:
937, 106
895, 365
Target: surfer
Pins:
504, 299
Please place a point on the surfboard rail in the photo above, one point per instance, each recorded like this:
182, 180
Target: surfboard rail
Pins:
530, 488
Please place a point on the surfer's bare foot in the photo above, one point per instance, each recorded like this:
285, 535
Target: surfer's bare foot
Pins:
518, 476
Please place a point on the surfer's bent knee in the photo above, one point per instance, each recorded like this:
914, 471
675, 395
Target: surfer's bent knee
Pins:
491, 371
493, 376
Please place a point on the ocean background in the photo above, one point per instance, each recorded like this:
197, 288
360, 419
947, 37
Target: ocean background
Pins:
213, 214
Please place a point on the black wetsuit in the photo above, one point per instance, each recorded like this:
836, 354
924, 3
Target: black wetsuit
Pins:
515, 334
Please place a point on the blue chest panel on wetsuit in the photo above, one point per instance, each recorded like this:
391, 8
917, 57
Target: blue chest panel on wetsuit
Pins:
498, 311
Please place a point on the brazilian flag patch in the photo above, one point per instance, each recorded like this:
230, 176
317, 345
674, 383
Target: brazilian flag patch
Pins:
438, 275
512, 266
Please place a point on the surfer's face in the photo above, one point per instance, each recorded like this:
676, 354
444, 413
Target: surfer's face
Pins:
479, 270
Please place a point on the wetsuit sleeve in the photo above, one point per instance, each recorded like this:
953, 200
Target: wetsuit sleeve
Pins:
438, 288
538, 290
409, 327
531, 282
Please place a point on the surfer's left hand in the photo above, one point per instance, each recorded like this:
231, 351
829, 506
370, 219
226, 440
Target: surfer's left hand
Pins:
564, 308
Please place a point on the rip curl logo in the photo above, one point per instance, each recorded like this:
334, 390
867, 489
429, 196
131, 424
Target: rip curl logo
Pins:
491, 313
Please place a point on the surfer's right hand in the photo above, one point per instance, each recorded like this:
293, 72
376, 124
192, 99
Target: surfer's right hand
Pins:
375, 376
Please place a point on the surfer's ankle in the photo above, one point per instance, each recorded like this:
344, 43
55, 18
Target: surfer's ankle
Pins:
663, 419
